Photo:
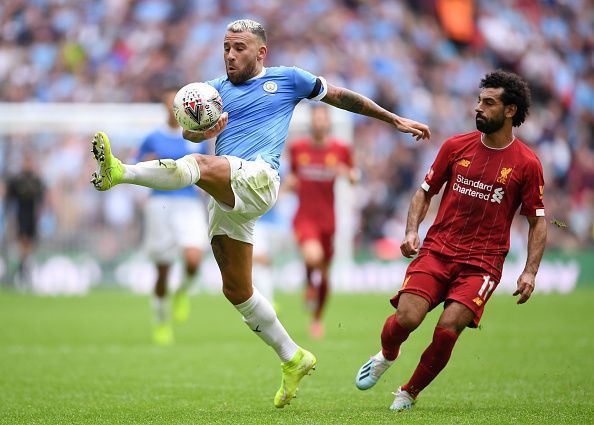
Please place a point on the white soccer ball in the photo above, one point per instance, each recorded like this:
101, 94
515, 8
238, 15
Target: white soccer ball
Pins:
197, 106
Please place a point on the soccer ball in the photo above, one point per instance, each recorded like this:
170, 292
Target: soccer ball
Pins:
197, 106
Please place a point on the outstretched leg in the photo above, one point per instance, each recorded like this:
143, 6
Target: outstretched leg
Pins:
211, 173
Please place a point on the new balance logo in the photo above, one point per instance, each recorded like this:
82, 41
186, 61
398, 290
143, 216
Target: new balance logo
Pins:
497, 195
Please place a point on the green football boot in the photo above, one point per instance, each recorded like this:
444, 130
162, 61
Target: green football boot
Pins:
109, 169
163, 334
293, 371
181, 307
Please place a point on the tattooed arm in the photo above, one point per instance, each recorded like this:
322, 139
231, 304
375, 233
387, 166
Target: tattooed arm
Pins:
354, 102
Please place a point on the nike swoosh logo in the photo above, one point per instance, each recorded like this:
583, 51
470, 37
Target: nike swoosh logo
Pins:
108, 174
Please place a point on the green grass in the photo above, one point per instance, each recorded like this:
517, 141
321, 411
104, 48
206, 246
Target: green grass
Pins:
89, 360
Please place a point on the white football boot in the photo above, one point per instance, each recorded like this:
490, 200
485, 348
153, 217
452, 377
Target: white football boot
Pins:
372, 370
403, 401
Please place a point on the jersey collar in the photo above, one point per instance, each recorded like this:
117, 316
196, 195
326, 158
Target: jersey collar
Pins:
498, 149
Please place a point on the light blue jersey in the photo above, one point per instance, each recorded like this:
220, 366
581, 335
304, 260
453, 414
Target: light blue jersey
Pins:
260, 111
168, 143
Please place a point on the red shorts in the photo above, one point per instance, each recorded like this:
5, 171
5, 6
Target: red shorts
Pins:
306, 230
438, 279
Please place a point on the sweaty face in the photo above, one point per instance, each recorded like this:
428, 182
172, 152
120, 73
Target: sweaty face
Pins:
490, 111
241, 56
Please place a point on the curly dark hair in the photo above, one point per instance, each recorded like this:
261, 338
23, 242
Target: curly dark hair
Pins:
515, 92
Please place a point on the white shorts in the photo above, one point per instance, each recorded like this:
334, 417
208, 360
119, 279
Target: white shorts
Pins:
255, 185
171, 224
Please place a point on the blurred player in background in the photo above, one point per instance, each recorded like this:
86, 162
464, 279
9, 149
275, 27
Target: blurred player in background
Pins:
264, 248
242, 176
175, 221
488, 174
315, 164
25, 197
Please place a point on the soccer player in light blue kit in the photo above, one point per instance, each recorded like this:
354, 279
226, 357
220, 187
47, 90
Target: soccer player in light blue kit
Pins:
175, 220
242, 177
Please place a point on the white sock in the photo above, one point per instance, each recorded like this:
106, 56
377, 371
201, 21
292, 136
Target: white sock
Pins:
263, 278
160, 309
259, 315
163, 174
380, 356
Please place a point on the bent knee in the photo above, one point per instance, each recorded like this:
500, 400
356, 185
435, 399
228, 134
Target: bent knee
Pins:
411, 311
313, 253
409, 319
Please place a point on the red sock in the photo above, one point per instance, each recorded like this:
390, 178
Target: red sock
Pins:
392, 336
433, 360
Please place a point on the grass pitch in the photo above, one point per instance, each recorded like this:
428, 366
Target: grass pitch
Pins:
89, 360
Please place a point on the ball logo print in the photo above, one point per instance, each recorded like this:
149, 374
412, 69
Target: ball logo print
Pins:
193, 108
197, 106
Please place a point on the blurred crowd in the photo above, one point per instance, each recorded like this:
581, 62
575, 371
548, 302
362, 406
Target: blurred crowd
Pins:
419, 58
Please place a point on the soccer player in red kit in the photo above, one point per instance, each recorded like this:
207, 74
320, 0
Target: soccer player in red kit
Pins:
487, 175
315, 164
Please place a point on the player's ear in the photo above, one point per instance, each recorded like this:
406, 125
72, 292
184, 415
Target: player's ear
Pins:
262, 51
510, 110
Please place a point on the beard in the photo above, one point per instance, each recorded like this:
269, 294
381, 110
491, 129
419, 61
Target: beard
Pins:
489, 126
241, 77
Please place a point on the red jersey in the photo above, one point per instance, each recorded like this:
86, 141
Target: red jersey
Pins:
316, 168
484, 188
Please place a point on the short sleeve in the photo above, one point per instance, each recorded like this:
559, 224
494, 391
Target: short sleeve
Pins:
439, 172
308, 86
533, 190
216, 83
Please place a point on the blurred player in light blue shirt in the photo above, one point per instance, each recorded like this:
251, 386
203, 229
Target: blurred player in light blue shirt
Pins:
175, 223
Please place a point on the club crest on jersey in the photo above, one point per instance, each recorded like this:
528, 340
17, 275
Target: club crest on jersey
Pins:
330, 159
270, 87
503, 175
464, 163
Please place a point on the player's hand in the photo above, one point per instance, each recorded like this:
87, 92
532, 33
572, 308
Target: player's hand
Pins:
410, 245
214, 131
525, 286
417, 129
